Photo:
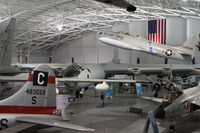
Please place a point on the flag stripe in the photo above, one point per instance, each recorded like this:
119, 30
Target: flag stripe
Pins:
157, 31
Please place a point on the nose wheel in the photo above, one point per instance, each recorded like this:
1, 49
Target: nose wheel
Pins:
77, 94
102, 98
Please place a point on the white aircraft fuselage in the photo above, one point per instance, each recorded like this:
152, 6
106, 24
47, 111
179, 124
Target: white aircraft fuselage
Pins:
87, 71
138, 43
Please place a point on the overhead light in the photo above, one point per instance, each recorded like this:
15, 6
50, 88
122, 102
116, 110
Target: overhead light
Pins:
60, 27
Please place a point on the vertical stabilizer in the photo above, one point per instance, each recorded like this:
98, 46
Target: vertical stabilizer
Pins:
115, 55
37, 96
6, 43
189, 46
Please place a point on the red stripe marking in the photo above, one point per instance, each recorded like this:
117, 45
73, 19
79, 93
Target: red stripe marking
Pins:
51, 79
27, 110
149, 37
30, 78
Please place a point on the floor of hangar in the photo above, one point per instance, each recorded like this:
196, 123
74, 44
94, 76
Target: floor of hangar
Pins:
113, 118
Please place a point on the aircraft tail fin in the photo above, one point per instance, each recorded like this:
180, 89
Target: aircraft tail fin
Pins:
37, 96
189, 46
6, 43
115, 55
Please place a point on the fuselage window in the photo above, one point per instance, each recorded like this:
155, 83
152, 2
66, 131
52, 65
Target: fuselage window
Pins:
89, 70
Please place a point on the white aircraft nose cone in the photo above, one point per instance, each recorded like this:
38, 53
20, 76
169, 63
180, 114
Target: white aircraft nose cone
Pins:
103, 86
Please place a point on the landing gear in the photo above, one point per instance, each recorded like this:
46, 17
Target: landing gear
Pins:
77, 94
193, 60
157, 88
81, 95
171, 128
102, 98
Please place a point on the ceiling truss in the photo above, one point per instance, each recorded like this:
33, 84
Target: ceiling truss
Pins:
47, 24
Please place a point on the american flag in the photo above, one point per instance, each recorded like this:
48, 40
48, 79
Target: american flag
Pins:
157, 31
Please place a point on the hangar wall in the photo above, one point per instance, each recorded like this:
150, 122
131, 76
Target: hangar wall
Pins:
176, 31
193, 29
89, 49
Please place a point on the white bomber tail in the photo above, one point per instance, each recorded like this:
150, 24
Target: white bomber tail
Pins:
6, 43
189, 47
37, 96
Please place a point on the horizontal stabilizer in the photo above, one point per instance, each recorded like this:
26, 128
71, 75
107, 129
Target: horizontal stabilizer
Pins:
53, 123
159, 100
13, 79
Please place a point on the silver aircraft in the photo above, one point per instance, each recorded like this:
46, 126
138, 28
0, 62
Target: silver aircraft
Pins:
35, 103
77, 77
138, 43
177, 103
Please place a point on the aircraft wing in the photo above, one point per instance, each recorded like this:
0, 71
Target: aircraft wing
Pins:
20, 127
12, 79
156, 70
150, 70
53, 123
159, 100
100, 80
32, 66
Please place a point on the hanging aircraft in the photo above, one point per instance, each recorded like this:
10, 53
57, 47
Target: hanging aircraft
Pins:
138, 43
35, 103
120, 3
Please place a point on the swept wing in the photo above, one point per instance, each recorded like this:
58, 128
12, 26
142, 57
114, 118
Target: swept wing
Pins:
53, 123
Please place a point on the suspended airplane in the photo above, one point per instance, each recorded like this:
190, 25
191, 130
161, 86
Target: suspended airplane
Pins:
130, 42
35, 103
120, 3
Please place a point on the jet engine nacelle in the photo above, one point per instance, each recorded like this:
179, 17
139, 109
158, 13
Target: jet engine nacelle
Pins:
102, 86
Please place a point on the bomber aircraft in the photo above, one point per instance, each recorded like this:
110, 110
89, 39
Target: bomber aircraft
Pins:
35, 103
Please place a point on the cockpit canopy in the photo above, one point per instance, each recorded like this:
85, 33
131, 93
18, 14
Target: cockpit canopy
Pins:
73, 70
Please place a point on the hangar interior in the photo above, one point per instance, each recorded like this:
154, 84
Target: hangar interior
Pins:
67, 31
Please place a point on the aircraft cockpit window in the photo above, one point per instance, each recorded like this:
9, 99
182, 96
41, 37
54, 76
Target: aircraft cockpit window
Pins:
88, 70
73, 70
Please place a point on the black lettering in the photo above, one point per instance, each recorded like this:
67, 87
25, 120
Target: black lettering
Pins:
35, 92
34, 100
40, 78
4, 124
